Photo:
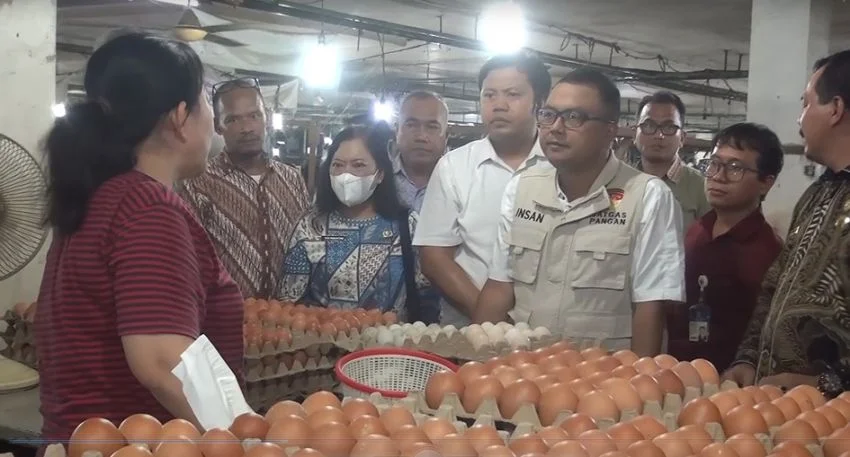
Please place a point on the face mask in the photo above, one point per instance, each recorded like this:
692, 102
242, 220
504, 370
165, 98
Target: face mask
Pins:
353, 190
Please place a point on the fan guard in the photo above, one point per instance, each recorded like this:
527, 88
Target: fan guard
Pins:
22, 207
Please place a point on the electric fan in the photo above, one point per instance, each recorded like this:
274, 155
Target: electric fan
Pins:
22, 207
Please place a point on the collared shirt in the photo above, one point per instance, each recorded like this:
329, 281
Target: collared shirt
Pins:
461, 208
247, 219
688, 186
658, 262
734, 264
409, 193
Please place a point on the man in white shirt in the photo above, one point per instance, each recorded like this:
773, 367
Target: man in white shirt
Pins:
588, 247
460, 213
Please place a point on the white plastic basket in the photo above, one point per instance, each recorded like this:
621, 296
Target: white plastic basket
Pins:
392, 372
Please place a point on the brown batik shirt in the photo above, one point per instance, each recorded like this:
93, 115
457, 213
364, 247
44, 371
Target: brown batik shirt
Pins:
248, 218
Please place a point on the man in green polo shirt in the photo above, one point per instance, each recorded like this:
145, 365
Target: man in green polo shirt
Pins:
659, 137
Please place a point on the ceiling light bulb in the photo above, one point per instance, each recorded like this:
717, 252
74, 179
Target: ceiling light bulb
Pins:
383, 111
59, 110
277, 121
502, 28
320, 66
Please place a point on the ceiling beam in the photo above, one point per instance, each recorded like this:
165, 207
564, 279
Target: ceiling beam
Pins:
668, 80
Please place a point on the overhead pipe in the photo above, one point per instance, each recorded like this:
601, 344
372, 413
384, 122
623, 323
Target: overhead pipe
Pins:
668, 80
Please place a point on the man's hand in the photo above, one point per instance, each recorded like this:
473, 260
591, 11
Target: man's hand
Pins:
742, 374
789, 380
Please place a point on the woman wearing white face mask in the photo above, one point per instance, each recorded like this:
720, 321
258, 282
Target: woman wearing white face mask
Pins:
353, 249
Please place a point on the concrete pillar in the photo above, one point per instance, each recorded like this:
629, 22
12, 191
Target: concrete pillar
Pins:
28, 79
786, 38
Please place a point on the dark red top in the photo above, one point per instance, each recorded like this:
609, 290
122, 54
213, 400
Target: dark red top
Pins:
140, 264
734, 264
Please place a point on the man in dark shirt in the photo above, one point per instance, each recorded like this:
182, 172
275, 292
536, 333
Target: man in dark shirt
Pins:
732, 245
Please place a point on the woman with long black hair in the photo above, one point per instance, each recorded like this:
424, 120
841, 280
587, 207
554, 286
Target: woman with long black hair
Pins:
353, 249
131, 278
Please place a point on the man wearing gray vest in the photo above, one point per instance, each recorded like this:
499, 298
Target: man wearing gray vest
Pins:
587, 246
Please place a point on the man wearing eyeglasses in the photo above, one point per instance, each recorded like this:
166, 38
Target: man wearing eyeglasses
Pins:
247, 202
658, 137
588, 247
731, 247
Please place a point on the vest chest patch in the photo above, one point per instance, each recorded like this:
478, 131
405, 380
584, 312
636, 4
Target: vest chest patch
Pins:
610, 217
529, 215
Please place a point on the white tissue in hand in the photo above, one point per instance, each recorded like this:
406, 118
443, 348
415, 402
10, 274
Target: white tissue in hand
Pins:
210, 386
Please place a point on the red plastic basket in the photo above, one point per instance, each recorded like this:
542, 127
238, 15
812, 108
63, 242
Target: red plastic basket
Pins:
390, 372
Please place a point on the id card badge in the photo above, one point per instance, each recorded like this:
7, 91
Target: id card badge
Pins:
699, 316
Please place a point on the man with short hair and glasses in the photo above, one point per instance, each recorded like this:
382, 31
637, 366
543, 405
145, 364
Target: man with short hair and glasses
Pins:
732, 246
247, 202
588, 246
659, 135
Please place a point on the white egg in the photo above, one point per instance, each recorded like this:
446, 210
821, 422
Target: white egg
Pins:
504, 326
450, 330
522, 326
371, 332
395, 327
540, 332
420, 325
406, 326
516, 339
478, 340
495, 334
487, 325
435, 327
398, 340
385, 337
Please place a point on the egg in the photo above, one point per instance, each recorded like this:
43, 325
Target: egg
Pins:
577, 424
176, 428
435, 428
648, 426
798, 431
332, 439
581, 386
665, 361
624, 435
646, 365
758, 395
772, 392
809, 392
626, 357
407, 436
790, 409
514, 396
482, 437
219, 442
688, 374
725, 401
644, 449
497, 450
587, 368
290, 431
718, 450
528, 443
326, 415
320, 400
529, 371
835, 418
647, 388
669, 382
699, 411
707, 371
259, 450
598, 405
356, 407
696, 436
555, 399
596, 442
744, 419
623, 394
452, 445
132, 451
791, 449
593, 353
441, 384
478, 389
471, 370
395, 417
771, 413
837, 443
367, 425
569, 448
673, 445
506, 375
746, 445
95, 434
624, 371
283, 409
552, 435
841, 406
306, 452
818, 421
545, 381
571, 357
249, 425
141, 429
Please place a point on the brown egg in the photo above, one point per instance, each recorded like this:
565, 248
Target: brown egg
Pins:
791, 449
647, 387
518, 358
306, 452
453, 445
797, 431
648, 426
608, 363
744, 397
624, 371
772, 392
626, 357
290, 431
757, 394
375, 445
471, 370
587, 368
132, 451
326, 415
624, 435
435, 428
669, 382
529, 371
395, 417
141, 429
771, 413
597, 442
665, 361
283, 409
184, 447
744, 419
581, 386
571, 357
706, 371
746, 445
688, 374
564, 374
320, 400
364, 426
624, 394
219, 442
673, 445
333, 439
725, 402
420, 450
439, 385
482, 436
699, 411
176, 428
837, 443
818, 421
528, 443
497, 450
644, 449
598, 405
810, 392
506, 375
97, 435
841, 406
593, 353
249, 425
790, 409
555, 399
696, 436
521, 392
545, 381
598, 378
408, 435
356, 407
569, 448
718, 450
552, 435
551, 363
577, 424
835, 418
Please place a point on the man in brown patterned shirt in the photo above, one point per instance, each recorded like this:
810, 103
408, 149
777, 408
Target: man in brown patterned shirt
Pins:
247, 202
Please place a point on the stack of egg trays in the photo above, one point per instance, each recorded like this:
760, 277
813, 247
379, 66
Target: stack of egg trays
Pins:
19, 339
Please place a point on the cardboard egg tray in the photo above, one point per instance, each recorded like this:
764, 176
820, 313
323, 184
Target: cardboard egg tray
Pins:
262, 395
279, 369
309, 341
19, 339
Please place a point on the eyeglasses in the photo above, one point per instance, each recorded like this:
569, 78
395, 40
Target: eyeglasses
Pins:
573, 119
229, 85
734, 171
651, 128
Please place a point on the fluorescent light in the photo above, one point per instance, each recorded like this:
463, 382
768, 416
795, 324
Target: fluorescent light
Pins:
276, 152
320, 66
328, 141
277, 121
59, 110
383, 111
502, 28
